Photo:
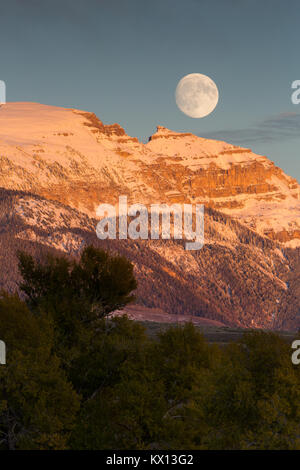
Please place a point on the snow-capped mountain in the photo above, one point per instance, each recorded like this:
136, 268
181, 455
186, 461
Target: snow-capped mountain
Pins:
70, 156
57, 165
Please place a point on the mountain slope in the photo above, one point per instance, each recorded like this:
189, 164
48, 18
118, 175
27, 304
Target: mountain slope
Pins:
238, 278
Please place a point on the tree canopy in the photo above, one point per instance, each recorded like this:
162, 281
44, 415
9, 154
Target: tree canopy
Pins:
77, 378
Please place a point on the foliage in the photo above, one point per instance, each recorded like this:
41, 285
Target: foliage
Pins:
37, 403
102, 281
181, 393
76, 378
77, 294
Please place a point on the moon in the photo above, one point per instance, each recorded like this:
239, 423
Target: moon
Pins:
196, 95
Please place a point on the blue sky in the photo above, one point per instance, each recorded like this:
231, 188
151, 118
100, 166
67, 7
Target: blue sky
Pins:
122, 59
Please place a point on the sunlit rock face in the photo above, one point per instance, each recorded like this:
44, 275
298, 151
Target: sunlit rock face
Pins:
71, 156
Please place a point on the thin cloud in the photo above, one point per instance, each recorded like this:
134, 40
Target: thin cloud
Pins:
283, 126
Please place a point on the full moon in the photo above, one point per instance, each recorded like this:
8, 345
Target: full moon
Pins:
196, 95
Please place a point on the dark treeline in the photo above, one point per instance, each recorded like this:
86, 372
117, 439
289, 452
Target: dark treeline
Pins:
75, 379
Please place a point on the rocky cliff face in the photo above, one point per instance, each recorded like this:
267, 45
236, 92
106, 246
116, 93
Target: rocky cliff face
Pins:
236, 181
70, 156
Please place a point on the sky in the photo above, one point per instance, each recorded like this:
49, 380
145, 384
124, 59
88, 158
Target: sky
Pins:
122, 59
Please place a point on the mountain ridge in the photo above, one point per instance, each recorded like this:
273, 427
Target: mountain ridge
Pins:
70, 156
57, 165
